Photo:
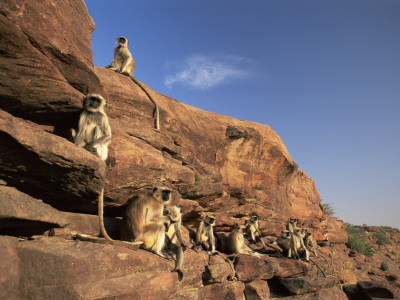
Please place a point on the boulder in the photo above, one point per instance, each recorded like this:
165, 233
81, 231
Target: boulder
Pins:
377, 289
53, 268
10, 273
305, 285
249, 268
257, 290
218, 270
47, 61
47, 166
283, 267
230, 290
333, 293
22, 215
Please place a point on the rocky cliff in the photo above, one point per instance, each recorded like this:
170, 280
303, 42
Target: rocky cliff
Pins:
213, 163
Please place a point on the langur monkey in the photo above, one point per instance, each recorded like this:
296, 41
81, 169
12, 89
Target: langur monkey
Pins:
291, 225
297, 245
325, 234
205, 235
124, 63
284, 242
94, 135
174, 242
144, 220
309, 242
236, 242
94, 132
205, 239
252, 231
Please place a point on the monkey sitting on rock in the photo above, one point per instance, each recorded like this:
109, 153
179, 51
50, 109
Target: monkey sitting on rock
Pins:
94, 135
205, 235
145, 221
124, 63
236, 242
173, 240
94, 131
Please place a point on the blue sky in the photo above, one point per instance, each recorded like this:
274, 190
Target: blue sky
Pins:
325, 75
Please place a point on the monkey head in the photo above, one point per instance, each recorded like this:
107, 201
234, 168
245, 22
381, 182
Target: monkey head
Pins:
173, 213
209, 220
285, 234
293, 221
254, 218
162, 194
237, 227
122, 41
93, 102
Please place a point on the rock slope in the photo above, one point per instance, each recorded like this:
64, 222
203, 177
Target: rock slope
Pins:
213, 163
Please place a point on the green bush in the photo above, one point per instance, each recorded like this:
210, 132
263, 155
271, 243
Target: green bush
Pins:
330, 210
384, 266
357, 241
382, 238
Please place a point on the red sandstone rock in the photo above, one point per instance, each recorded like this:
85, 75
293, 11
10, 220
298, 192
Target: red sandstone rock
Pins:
305, 285
231, 290
47, 166
10, 273
218, 270
283, 267
257, 290
249, 268
375, 289
22, 215
83, 269
231, 166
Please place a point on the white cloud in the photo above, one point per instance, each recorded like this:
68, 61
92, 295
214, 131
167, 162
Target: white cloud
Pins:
203, 72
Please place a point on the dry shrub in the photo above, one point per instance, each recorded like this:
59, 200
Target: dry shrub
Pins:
345, 273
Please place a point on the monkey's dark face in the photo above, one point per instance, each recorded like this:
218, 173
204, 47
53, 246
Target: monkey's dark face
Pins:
210, 220
162, 194
122, 41
285, 234
166, 195
93, 102
254, 218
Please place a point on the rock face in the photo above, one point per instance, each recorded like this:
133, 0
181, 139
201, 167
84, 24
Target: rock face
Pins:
213, 164
24, 215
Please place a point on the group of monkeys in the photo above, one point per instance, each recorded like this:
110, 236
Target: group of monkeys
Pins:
148, 217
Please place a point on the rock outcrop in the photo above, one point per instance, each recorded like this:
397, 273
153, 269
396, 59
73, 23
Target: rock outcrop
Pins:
213, 163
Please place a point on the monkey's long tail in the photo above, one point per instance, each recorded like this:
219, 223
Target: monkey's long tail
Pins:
230, 264
101, 219
157, 124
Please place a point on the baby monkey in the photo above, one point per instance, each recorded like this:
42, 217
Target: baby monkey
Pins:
173, 240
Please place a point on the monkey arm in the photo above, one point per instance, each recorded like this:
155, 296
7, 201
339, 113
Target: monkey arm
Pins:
178, 233
80, 136
106, 138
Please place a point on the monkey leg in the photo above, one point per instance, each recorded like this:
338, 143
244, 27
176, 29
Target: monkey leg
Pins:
177, 250
155, 234
252, 237
207, 246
